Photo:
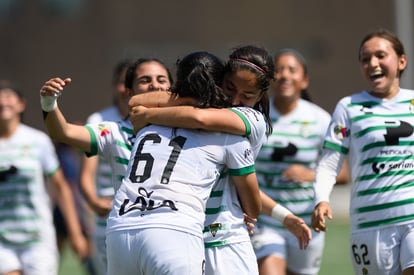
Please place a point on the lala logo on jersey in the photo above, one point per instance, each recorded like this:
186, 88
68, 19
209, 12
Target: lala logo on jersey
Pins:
104, 130
341, 132
144, 203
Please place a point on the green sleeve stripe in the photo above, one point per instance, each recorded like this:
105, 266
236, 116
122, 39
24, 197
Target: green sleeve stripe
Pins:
94, 143
245, 121
335, 147
242, 171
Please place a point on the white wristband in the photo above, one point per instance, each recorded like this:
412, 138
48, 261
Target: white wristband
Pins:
279, 213
48, 103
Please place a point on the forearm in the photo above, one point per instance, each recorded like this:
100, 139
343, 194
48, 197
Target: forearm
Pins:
60, 130
267, 203
273, 209
87, 179
326, 173
158, 99
249, 194
67, 206
221, 120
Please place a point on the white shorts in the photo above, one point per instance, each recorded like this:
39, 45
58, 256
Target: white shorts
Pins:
384, 251
36, 259
232, 259
283, 244
154, 251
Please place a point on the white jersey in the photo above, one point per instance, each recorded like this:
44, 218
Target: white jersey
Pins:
104, 186
378, 135
112, 141
297, 138
25, 208
170, 176
224, 222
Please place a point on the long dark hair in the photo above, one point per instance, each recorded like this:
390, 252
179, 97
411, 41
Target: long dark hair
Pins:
200, 76
302, 61
257, 60
130, 73
396, 43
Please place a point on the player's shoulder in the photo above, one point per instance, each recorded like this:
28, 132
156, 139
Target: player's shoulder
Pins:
32, 132
36, 136
248, 112
310, 108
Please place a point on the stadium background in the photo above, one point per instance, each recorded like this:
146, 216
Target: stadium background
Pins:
83, 39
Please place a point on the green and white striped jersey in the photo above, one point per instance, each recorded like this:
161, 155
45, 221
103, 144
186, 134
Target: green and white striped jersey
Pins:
377, 134
224, 222
297, 138
112, 142
25, 208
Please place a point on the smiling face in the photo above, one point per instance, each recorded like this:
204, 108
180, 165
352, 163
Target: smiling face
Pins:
381, 66
11, 105
242, 87
150, 76
290, 78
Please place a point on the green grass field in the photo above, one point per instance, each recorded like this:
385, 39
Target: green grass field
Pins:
336, 259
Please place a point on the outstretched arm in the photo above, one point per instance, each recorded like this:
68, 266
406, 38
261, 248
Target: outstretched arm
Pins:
100, 205
59, 129
293, 223
159, 99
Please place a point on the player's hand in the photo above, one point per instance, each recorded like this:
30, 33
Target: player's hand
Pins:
299, 229
80, 246
298, 173
321, 211
101, 206
54, 86
249, 222
137, 117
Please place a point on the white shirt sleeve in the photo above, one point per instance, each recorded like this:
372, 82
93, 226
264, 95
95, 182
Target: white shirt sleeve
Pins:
328, 168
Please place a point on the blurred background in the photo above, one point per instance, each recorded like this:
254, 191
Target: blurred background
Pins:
83, 39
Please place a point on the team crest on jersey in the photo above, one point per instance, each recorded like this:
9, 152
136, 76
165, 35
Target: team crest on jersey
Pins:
214, 227
411, 106
104, 130
341, 132
364, 271
305, 130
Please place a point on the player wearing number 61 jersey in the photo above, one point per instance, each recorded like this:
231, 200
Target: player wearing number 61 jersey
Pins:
156, 224
246, 79
169, 179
